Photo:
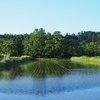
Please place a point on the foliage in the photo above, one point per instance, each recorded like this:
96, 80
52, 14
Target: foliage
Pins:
40, 44
9, 48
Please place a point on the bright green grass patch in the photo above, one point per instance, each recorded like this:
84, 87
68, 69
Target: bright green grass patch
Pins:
87, 60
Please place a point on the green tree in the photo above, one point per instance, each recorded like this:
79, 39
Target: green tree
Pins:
9, 48
1, 42
48, 45
27, 46
90, 49
18, 42
35, 45
58, 44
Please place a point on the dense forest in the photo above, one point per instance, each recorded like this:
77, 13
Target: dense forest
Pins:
47, 45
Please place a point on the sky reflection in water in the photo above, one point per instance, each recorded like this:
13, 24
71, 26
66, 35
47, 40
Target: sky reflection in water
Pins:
49, 82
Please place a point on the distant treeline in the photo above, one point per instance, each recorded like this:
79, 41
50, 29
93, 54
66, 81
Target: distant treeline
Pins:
42, 44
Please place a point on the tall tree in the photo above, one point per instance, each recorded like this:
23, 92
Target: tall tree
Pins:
9, 48
36, 43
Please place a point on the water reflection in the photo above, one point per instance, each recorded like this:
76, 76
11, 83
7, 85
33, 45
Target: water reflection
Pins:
46, 67
48, 77
37, 69
51, 85
11, 73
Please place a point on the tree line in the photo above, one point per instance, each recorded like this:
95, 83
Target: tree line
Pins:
46, 45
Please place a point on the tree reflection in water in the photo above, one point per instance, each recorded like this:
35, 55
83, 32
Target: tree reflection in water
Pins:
40, 68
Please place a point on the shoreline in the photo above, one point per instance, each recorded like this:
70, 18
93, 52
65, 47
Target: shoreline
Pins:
86, 60
10, 61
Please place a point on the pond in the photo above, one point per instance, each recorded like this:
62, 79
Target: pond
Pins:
50, 80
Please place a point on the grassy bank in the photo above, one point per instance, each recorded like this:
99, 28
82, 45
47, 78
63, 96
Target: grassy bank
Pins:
86, 60
7, 60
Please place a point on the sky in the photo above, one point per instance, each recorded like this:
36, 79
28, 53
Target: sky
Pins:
67, 16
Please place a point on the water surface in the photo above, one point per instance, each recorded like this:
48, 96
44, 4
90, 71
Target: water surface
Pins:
50, 80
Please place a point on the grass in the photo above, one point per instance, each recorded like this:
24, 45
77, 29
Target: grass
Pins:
87, 60
6, 59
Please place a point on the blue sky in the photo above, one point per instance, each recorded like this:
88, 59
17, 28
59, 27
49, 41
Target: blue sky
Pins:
72, 16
